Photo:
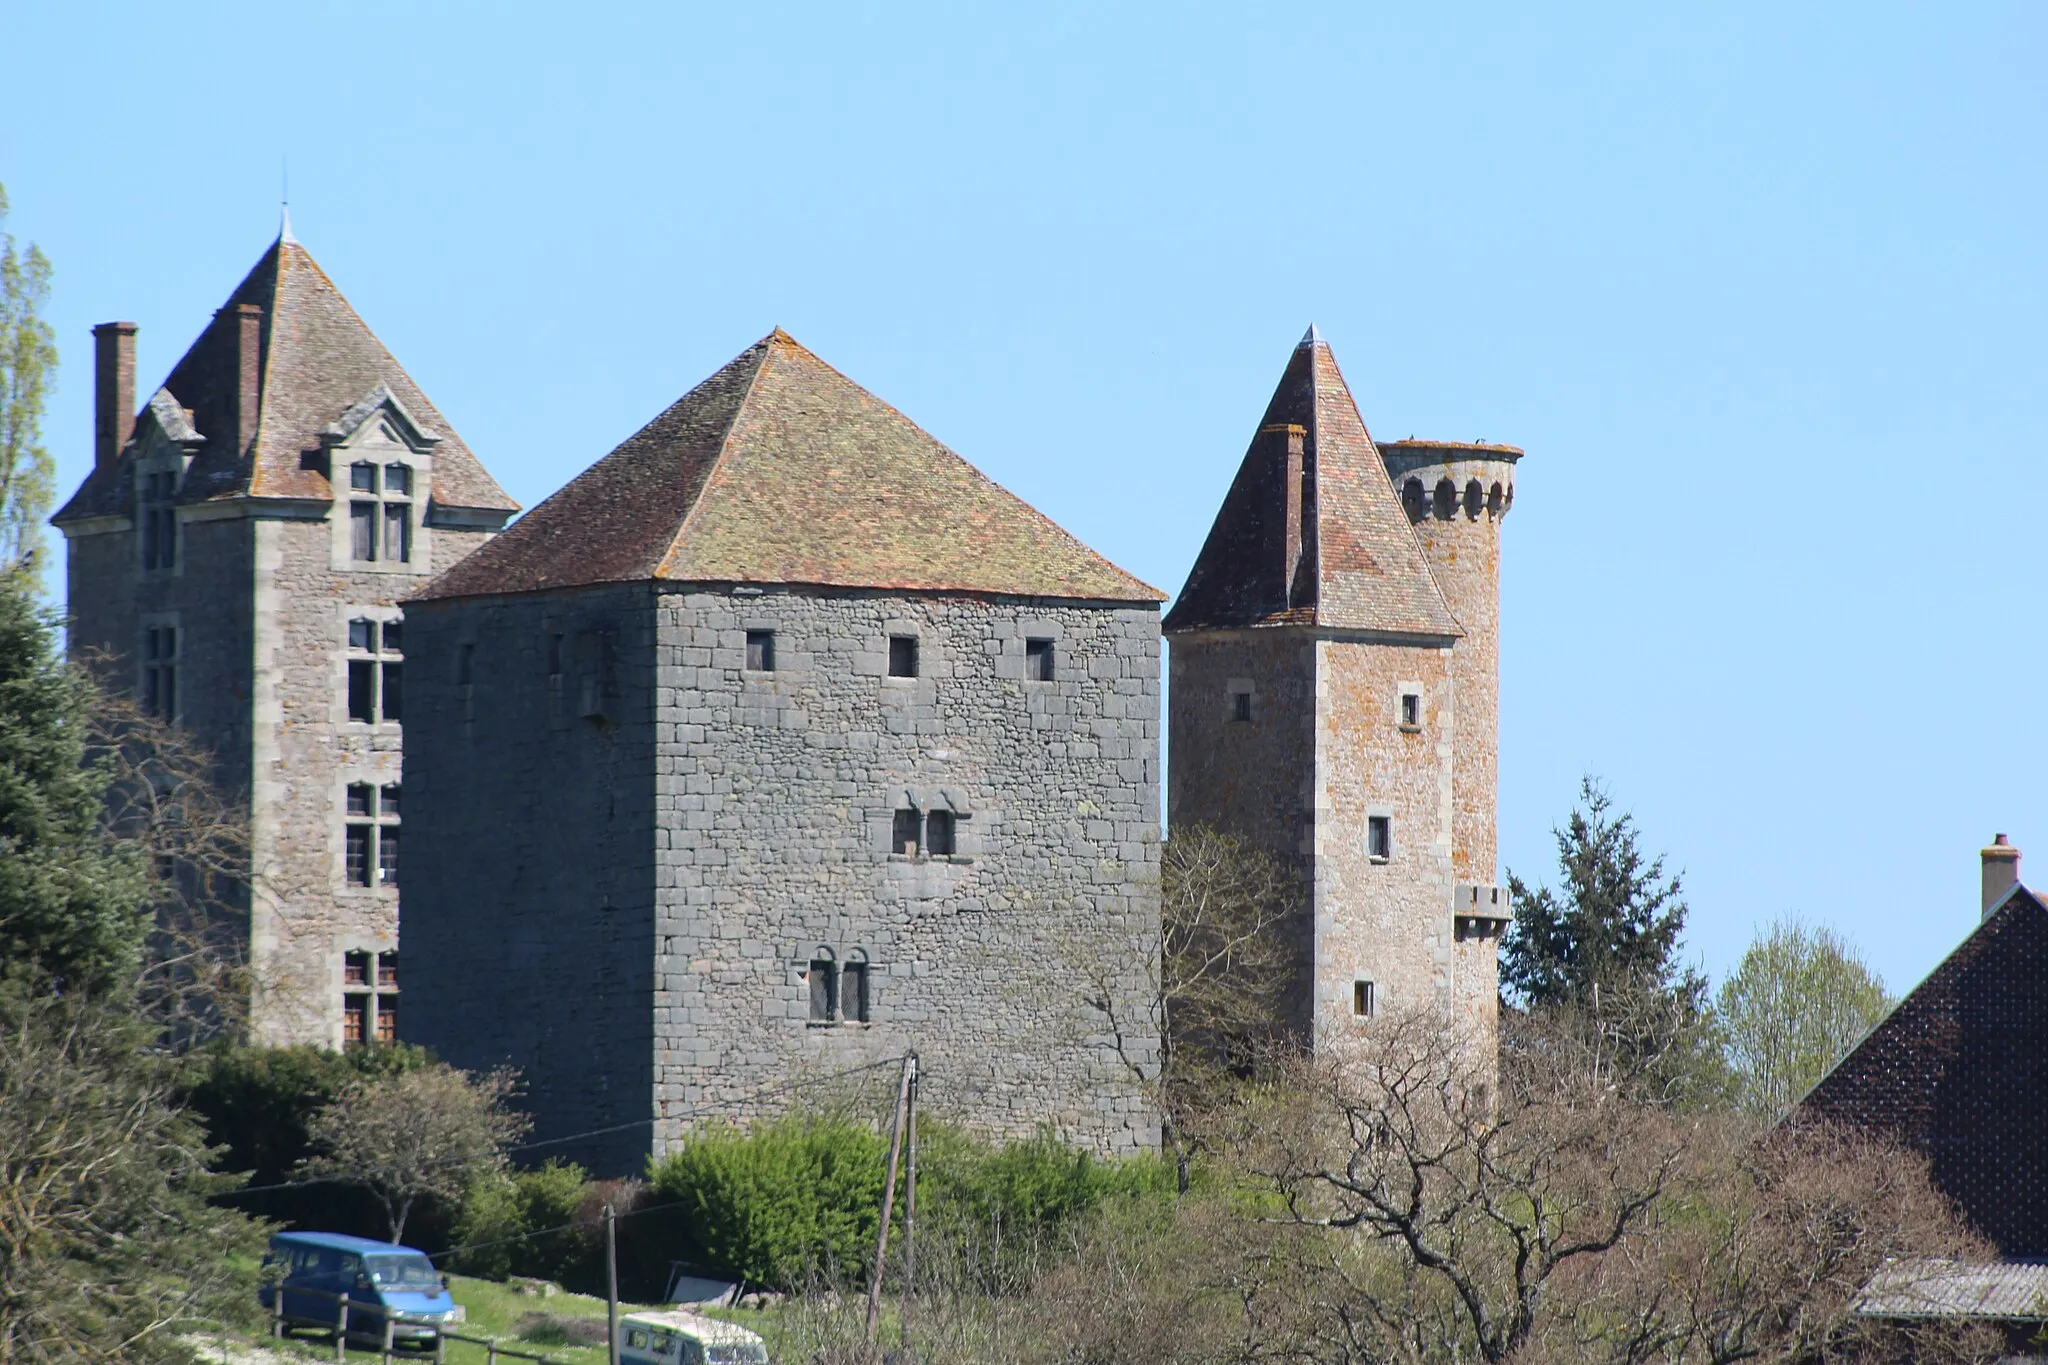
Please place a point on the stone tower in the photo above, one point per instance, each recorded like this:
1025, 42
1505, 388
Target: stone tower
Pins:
237, 555
1334, 681
780, 741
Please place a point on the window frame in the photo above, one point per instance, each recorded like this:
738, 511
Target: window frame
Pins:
1379, 837
373, 673
1364, 998
760, 652
904, 650
161, 660
372, 840
1041, 659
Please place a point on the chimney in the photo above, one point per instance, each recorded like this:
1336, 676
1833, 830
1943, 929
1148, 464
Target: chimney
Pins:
249, 371
2001, 871
113, 376
1291, 476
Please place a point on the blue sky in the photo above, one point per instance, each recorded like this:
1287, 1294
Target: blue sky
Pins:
1759, 287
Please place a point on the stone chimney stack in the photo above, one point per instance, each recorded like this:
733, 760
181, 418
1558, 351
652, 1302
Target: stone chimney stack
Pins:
2001, 871
249, 366
113, 374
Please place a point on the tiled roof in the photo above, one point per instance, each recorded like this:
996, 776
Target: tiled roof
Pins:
1959, 1072
1360, 566
318, 361
779, 469
2002, 1291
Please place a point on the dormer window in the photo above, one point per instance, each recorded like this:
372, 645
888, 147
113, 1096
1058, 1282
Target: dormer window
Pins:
380, 512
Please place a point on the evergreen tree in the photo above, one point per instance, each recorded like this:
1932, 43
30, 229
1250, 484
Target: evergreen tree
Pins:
72, 901
1602, 951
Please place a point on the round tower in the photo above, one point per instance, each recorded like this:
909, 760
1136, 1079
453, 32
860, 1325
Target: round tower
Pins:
1455, 495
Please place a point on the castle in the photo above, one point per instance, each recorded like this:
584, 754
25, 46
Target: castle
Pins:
781, 740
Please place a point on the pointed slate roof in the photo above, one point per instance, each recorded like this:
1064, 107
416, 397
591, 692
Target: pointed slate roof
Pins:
1959, 1072
780, 469
319, 360
1359, 565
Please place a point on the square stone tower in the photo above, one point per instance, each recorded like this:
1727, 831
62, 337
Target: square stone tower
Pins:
237, 556
1334, 698
779, 742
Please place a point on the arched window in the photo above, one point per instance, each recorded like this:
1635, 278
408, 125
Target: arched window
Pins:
1415, 499
856, 988
824, 980
1446, 499
1475, 499
938, 833
1494, 503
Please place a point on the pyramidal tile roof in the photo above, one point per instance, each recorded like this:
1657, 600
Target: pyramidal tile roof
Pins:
1959, 1072
1312, 531
318, 361
779, 469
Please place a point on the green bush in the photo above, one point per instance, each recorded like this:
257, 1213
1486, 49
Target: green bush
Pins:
785, 1201
801, 1197
256, 1103
503, 1209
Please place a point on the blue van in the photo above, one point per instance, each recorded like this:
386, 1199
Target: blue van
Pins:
380, 1280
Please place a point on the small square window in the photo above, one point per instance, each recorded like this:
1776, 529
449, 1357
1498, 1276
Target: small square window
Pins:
389, 807
387, 971
362, 477
1038, 660
359, 799
1361, 999
938, 833
1240, 706
1411, 710
902, 656
394, 637
1379, 837
761, 651
387, 1019
355, 969
903, 837
363, 635
397, 481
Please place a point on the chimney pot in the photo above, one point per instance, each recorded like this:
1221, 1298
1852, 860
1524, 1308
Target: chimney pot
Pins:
113, 345
2001, 862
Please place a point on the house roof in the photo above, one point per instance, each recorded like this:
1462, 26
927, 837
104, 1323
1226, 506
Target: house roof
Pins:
2002, 1291
318, 361
1959, 1072
779, 469
1356, 563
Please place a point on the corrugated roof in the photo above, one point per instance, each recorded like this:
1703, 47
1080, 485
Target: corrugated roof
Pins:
779, 469
2004, 1291
1360, 566
318, 360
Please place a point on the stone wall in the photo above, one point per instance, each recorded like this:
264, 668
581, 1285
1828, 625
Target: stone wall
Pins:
1252, 778
627, 903
529, 897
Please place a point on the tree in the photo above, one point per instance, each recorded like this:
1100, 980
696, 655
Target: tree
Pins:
424, 1133
28, 356
74, 902
1604, 952
1799, 1000
107, 1241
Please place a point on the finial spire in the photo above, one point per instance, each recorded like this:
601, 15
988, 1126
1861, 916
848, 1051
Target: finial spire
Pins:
1312, 337
284, 202
284, 228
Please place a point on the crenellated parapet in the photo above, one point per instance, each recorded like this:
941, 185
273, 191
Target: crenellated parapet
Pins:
1452, 480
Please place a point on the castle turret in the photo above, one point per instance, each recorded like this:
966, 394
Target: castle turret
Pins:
1455, 495
1333, 700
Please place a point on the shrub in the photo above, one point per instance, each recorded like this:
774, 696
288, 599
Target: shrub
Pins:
258, 1103
788, 1200
501, 1211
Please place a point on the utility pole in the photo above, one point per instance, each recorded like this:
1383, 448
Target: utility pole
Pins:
910, 1202
611, 1279
888, 1197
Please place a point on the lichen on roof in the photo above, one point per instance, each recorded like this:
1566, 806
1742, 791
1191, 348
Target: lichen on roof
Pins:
778, 469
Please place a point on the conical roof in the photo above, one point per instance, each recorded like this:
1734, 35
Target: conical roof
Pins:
318, 359
1352, 561
779, 469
